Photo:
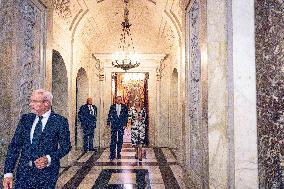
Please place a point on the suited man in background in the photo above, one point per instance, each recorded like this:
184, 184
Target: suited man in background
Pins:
117, 119
41, 139
88, 117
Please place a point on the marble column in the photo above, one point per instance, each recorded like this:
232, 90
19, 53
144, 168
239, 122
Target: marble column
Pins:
269, 22
244, 94
231, 94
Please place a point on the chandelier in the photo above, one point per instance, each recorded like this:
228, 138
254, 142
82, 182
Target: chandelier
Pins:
125, 58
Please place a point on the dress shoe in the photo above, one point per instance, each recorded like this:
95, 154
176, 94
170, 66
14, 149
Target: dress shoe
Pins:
93, 149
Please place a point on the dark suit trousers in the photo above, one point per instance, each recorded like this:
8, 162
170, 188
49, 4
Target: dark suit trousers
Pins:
32, 178
116, 141
88, 137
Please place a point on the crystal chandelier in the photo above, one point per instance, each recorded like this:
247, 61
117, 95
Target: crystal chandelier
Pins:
125, 58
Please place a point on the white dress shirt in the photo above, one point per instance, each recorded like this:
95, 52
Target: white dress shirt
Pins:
91, 109
45, 117
118, 109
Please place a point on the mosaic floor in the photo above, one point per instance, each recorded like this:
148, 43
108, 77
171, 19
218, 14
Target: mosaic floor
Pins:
158, 170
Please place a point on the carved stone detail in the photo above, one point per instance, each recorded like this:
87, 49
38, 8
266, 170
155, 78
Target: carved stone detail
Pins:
62, 8
160, 68
99, 67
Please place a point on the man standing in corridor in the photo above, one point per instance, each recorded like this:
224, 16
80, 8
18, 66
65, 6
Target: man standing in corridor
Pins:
41, 139
117, 119
88, 117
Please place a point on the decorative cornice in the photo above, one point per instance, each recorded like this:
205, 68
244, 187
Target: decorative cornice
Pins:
99, 66
161, 67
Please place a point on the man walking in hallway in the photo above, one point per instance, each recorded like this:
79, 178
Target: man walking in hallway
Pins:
41, 139
88, 117
117, 119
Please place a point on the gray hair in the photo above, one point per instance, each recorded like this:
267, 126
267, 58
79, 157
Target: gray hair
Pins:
46, 94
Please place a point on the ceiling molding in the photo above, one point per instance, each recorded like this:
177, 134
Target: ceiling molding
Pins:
143, 56
152, 1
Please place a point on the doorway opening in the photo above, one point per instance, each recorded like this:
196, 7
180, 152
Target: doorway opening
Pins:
131, 86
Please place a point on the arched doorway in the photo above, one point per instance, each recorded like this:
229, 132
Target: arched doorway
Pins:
82, 93
59, 84
131, 86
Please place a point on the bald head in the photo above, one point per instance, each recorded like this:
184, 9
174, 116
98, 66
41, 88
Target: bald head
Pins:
89, 101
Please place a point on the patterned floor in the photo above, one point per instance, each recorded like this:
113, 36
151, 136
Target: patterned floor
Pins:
158, 170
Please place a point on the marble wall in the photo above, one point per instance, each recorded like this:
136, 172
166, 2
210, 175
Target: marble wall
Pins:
81, 97
6, 15
175, 123
59, 84
22, 48
269, 24
30, 51
197, 137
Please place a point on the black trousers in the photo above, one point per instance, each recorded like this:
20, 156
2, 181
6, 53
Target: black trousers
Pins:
33, 178
116, 141
88, 137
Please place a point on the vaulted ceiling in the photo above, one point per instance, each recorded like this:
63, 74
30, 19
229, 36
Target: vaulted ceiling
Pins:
156, 24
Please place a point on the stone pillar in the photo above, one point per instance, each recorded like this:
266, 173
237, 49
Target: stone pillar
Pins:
22, 56
157, 113
231, 94
217, 94
196, 134
270, 86
244, 90
102, 120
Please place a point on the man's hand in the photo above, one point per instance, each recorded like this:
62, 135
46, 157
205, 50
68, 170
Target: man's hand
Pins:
8, 183
41, 162
140, 118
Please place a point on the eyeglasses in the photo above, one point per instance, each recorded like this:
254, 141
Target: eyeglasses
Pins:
36, 101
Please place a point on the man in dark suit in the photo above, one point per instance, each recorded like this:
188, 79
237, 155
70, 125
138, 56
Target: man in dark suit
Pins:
41, 139
88, 117
117, 118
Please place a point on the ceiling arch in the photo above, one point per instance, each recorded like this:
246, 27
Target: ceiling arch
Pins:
99, 29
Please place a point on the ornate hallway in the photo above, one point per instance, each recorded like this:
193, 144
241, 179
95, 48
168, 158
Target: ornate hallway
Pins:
210, 74
158, 170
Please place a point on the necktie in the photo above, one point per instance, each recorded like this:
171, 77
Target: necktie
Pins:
38, 130
91, 110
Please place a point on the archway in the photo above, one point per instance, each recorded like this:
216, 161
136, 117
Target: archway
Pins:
82, 93
59, 84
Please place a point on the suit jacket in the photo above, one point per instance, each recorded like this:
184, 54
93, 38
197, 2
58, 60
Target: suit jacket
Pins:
117, 121
86, 118
54, 141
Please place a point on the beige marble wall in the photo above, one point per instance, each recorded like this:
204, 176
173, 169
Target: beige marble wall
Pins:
164, 126
217, 93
